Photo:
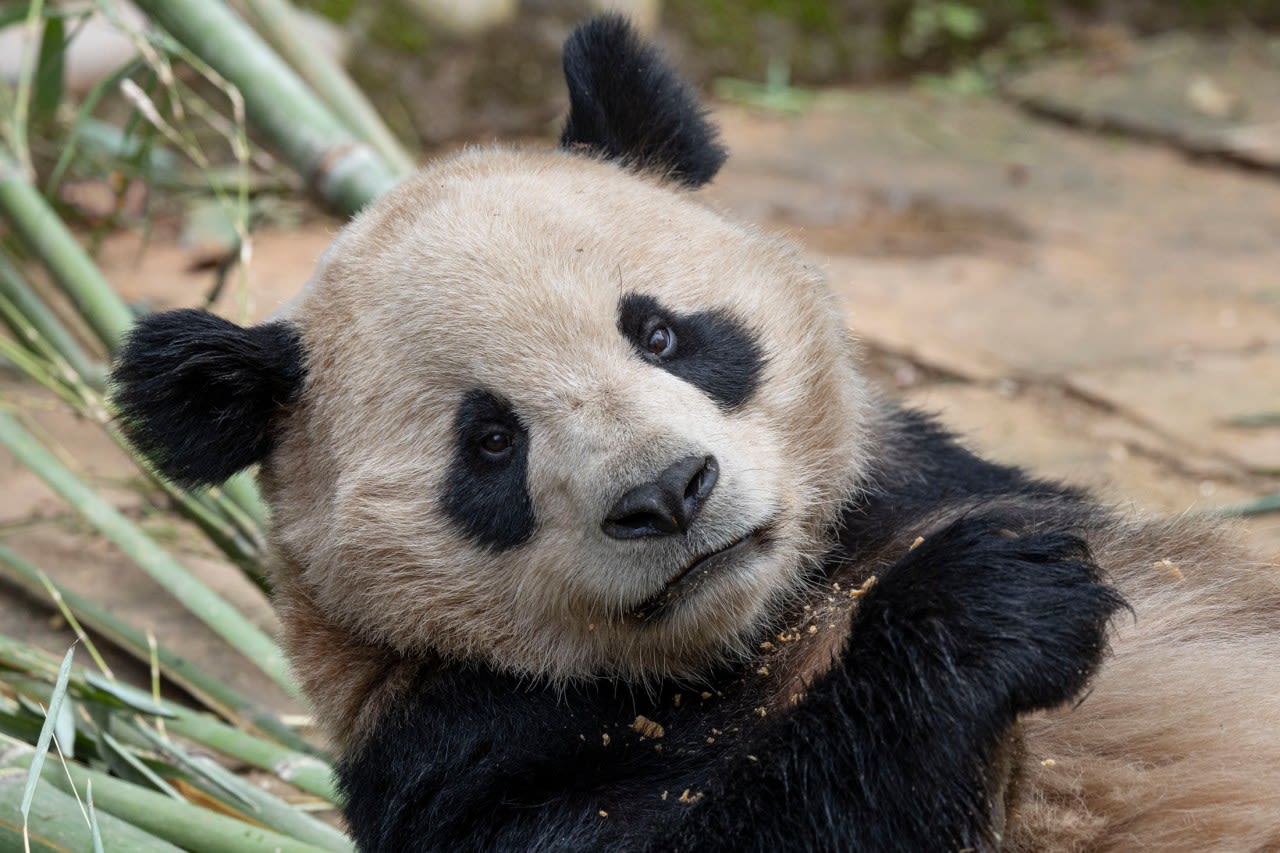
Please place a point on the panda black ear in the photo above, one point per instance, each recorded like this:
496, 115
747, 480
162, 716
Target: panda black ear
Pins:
196, 394
627, 104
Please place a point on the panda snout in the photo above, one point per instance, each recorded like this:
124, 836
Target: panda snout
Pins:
667, 505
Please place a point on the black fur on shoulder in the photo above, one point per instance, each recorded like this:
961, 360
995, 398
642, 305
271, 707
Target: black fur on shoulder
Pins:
627, 104
196, 393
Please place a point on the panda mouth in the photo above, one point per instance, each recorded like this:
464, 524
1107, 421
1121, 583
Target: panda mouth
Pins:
684, 582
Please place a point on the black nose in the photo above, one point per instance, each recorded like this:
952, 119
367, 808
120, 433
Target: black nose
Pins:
666, 506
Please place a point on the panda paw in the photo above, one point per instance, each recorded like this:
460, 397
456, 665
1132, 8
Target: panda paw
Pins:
1013, 623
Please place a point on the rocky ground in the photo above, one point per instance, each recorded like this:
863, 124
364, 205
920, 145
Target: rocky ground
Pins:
1093, 307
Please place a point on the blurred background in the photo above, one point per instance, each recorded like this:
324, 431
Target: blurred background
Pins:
1055, 223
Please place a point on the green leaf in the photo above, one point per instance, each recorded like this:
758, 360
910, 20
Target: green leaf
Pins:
130, 696
49, 71
46, 733
93, 822
116, 752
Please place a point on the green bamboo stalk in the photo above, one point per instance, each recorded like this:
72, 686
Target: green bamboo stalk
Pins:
198, 598
242, 490
190, 827
44, 235
243, 795
16, 289
58, 824
1257, 506
301, 769
346, 172
305, 772
210, 691
277, 20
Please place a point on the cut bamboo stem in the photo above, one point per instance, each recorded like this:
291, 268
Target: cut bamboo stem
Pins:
345, 171
277, 20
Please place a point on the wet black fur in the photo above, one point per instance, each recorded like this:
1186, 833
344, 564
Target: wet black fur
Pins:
627, 104
713, 351
196, 394
998, 613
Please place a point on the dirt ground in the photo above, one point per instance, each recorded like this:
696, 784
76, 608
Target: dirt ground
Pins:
1093, 308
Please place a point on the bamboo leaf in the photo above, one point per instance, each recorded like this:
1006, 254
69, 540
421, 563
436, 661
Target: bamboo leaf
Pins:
47, 94
118, 752
128, 695
46, 733
93, 822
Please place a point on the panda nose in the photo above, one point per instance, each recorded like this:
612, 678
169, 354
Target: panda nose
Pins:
666, 506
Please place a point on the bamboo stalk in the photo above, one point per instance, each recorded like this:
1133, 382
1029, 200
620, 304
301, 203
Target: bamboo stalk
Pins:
190, 827
59, 825
301, 769
44, 235
19, 293
277, 20
1257, 506
211, 692
346, 172
197, 597
239, 793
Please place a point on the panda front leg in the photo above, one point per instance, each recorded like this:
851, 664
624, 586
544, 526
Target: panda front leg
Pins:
895, 747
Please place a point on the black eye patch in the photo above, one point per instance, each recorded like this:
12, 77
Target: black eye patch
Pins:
486, 491
710, 350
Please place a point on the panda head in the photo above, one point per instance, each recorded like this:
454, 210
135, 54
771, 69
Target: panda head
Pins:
540, 409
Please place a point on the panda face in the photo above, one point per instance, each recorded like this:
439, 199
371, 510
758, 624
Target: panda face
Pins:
563, 419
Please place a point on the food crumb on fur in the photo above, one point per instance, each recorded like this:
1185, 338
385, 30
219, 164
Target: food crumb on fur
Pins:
1170, 568
646, 727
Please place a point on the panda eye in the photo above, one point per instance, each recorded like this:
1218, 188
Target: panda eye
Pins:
496, 444
660, 341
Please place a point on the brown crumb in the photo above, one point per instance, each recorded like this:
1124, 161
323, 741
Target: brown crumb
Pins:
705, 695
761, 711
862, 590
646, 727
1170, 568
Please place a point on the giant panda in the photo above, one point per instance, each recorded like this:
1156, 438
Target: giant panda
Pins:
589, 534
